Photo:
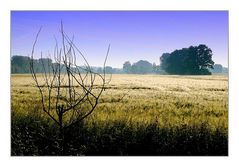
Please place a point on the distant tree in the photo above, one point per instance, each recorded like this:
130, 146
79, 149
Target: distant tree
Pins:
134, 69
203, 57
154, 68
117, 71
163, 60
142, 67
127, 67
20, 64
45, 64
99, 70
217, 68
108, 70
225, 70
195, 60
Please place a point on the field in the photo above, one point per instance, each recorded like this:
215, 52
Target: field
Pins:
136, 115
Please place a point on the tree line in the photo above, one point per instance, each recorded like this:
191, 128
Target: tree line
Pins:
21, 64
194, 60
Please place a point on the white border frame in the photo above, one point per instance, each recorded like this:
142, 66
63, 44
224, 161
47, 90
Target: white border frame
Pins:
7, 6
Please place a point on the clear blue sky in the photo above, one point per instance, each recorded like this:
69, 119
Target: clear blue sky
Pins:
133, 35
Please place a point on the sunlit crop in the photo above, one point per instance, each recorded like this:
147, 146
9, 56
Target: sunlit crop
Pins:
170, 105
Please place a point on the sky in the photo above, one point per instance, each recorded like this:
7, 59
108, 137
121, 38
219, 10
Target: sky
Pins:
133, 35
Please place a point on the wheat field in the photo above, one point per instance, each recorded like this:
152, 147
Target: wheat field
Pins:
170, 112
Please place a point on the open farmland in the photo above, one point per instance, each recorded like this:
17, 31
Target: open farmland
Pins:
136, 115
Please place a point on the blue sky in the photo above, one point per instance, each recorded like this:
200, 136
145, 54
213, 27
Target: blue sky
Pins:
133, 35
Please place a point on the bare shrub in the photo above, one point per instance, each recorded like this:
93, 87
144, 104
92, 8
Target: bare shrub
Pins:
68, 91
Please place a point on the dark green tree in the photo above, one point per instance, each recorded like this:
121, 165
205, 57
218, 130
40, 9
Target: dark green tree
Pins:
195, 60
163, 60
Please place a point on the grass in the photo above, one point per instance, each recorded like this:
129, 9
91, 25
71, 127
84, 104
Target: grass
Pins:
137, 115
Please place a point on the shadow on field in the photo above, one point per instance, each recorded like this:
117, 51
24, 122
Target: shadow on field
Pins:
31, 135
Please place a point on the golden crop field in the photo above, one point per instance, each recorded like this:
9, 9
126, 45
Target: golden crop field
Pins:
176, 104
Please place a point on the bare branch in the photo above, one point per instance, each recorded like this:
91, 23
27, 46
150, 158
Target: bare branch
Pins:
67, 85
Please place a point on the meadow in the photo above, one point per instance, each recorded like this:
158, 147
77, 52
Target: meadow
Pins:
136, 115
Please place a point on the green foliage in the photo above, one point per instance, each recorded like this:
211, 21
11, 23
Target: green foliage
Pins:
194, 60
